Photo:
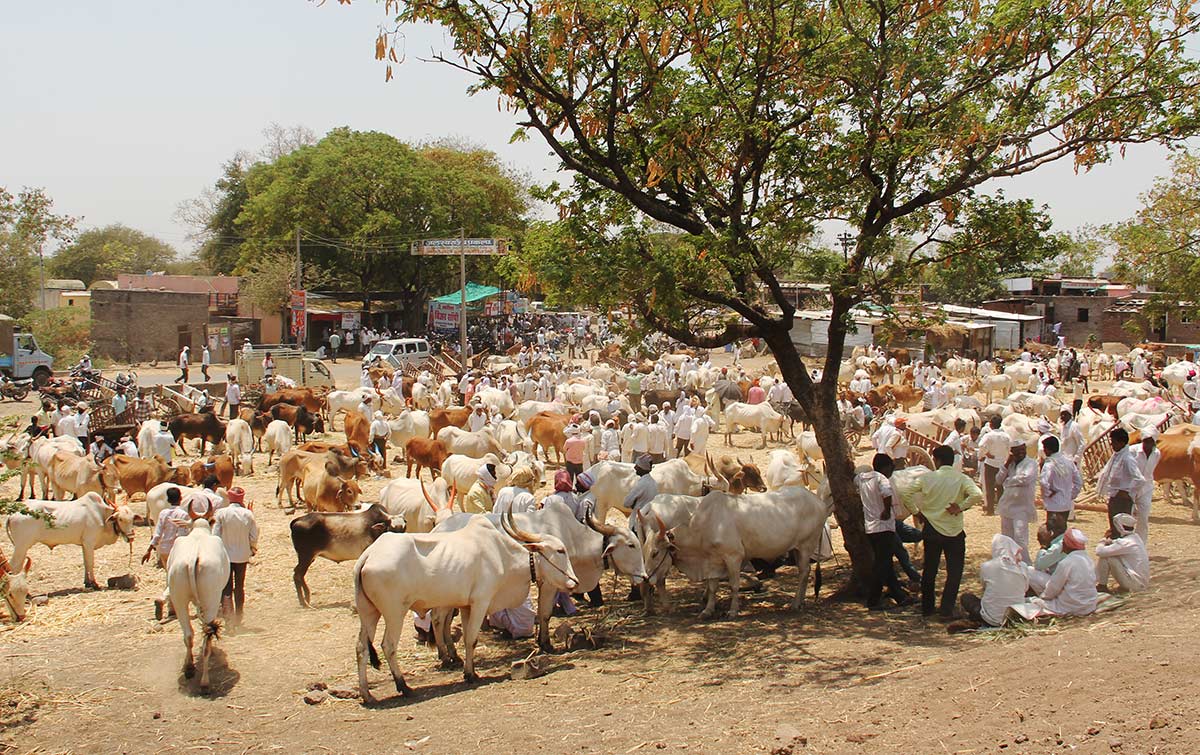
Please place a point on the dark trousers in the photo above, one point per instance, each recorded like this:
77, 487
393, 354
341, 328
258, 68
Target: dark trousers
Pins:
183, 375
955, 549
883, 573
236, 587
973, 607
380, 446
574, 470
906, 533
681, 447
1121, 503
233, 411
635, 401
204, 371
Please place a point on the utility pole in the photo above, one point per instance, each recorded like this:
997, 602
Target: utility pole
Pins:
462, 312
300, 285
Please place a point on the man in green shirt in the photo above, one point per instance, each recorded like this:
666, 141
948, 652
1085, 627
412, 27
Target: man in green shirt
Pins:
940, 497
634, 387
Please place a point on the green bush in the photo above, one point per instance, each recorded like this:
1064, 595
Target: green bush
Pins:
62, 333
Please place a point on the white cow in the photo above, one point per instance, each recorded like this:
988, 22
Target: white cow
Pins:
347, 401
614, 479
811, 457
153, 440
478, 570
494, 398
761, 417
18, 588
527, 410
240, 439
511, 437
88, 521
726, 530
409, 424
1001, 384
1152, 405
588, 545
462, 471
277, 439
655, 523
783, 469
476, 444
422, 397
1126, 388
574, 393
197, 571
421, 506
1177, 374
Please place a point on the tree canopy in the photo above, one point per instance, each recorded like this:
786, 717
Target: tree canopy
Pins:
740, 127
27, 222
360, 199
101, 253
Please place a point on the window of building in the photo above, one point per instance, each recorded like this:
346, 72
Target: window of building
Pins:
1083, 314
1186, 319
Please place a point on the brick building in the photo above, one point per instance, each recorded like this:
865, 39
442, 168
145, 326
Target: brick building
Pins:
142, 325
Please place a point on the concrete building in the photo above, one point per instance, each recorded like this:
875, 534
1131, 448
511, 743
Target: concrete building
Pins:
141, 325
51, 295
224, 299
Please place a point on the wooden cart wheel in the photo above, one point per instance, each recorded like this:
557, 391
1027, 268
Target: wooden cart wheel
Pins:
854, 438
169, 408
918, 456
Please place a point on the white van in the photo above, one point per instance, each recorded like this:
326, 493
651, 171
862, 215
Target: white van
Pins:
398, 352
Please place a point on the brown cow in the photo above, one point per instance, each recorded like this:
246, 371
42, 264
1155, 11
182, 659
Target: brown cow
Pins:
300, 418
206, 426
258, 422
425, 452
294, 466
1105, 404
139, 475
305, 397
1180, 462
906, 396
439, 418
358, 430
221, 466
327, 492
738, 474
546, 430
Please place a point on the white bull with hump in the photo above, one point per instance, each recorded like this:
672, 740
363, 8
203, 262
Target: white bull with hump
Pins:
421, 506
476, 444
527, 410
240, 440
348, 401
197, 571
761, 417
478, 569
726, 530
498, 400
88, 521
612, 481
409, 424
588, 544
511, 437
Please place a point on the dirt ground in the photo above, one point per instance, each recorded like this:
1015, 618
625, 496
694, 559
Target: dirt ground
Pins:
92, 672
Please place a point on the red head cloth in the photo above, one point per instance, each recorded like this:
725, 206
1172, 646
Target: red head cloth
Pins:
562, 481
237, 495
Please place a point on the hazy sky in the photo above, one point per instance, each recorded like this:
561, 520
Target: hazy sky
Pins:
122, 110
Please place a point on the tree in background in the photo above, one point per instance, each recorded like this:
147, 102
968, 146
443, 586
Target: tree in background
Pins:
1081, 251
1160, 245
743, 126
26, 224
101, 253
995, 239
64, 332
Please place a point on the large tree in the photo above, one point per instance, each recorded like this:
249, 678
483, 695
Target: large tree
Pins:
743, 125
1160, 245
101, 253
27, 223
359, 200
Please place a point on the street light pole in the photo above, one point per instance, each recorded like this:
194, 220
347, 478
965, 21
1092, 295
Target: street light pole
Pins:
847, 242
462, 312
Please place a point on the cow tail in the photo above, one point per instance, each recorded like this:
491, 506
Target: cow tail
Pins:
372, 654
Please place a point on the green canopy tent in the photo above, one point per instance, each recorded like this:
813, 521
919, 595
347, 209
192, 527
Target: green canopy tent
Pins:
475, 292
443, 310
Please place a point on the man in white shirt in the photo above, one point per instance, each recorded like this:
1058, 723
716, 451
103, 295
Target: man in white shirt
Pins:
1124, 557
875, 490
888, 439
1005, 583
183, 364
701, 426
994, 446
1120, 479
955, 441
1061, 482
478, 419
233, 396
1072, 438
635, 438
1139, 367
172, 522
1018, 480
205, 362
380, 432
658, 438
366, 408
238, 530
1071, 589
1147, 457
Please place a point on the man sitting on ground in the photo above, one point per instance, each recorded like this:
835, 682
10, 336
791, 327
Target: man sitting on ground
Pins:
1071, 590
1124, 557
1005, 583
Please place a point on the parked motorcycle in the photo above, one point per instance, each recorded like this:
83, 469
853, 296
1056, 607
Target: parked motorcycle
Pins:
17, 390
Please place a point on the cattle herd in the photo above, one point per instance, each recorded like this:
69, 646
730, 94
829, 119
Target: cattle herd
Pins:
416, 550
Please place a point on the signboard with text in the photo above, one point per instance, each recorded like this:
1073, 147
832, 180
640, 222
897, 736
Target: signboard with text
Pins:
451, 247
299, 314
443, 318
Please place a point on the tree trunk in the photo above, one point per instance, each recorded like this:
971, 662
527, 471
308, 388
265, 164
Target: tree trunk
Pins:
821, 406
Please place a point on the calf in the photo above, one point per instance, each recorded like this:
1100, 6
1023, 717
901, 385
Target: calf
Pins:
439, 418
89, 522
323, 490
240, 439
78, 475
736, 474
358, 431
761, 417
140, 475
425, 453
300, 418
548, 430
221, 466
277, 439
206, 426
335, 536
295, 465
305, 397
197, 571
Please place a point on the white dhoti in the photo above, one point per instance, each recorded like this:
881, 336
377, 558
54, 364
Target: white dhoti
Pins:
1141, 510
1129, 582
1038, 580
519, 621
1018, 530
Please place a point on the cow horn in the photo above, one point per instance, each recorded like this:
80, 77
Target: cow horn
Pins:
662, 526
604, 528
517, 532
425, 493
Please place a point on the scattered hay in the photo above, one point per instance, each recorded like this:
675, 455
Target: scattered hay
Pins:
20, 702
1019, 630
